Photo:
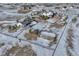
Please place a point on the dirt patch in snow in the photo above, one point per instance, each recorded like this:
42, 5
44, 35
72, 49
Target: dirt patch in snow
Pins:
13, 28
57, 25
31, 36
56, 17
21, 51
69, 41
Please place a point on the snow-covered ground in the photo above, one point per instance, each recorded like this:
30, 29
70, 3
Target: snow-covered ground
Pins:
10, 42
56, 36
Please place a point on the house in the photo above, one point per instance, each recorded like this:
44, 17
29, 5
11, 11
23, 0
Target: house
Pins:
49, 14
27, 21
45, 33
33, 23
49, 36
39, 26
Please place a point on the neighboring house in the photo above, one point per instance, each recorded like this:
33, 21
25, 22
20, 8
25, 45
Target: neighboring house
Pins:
33, 23
39, 26
50, 14
27, 22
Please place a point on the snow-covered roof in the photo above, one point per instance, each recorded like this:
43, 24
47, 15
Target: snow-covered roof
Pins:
47, 14
33, 23
39, 26
48, 34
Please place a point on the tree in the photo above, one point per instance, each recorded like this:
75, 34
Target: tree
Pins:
30, 30
74, 19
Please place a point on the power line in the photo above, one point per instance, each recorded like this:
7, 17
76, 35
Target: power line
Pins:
61, 36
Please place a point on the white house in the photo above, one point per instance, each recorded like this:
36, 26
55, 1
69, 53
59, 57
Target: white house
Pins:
48, 14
